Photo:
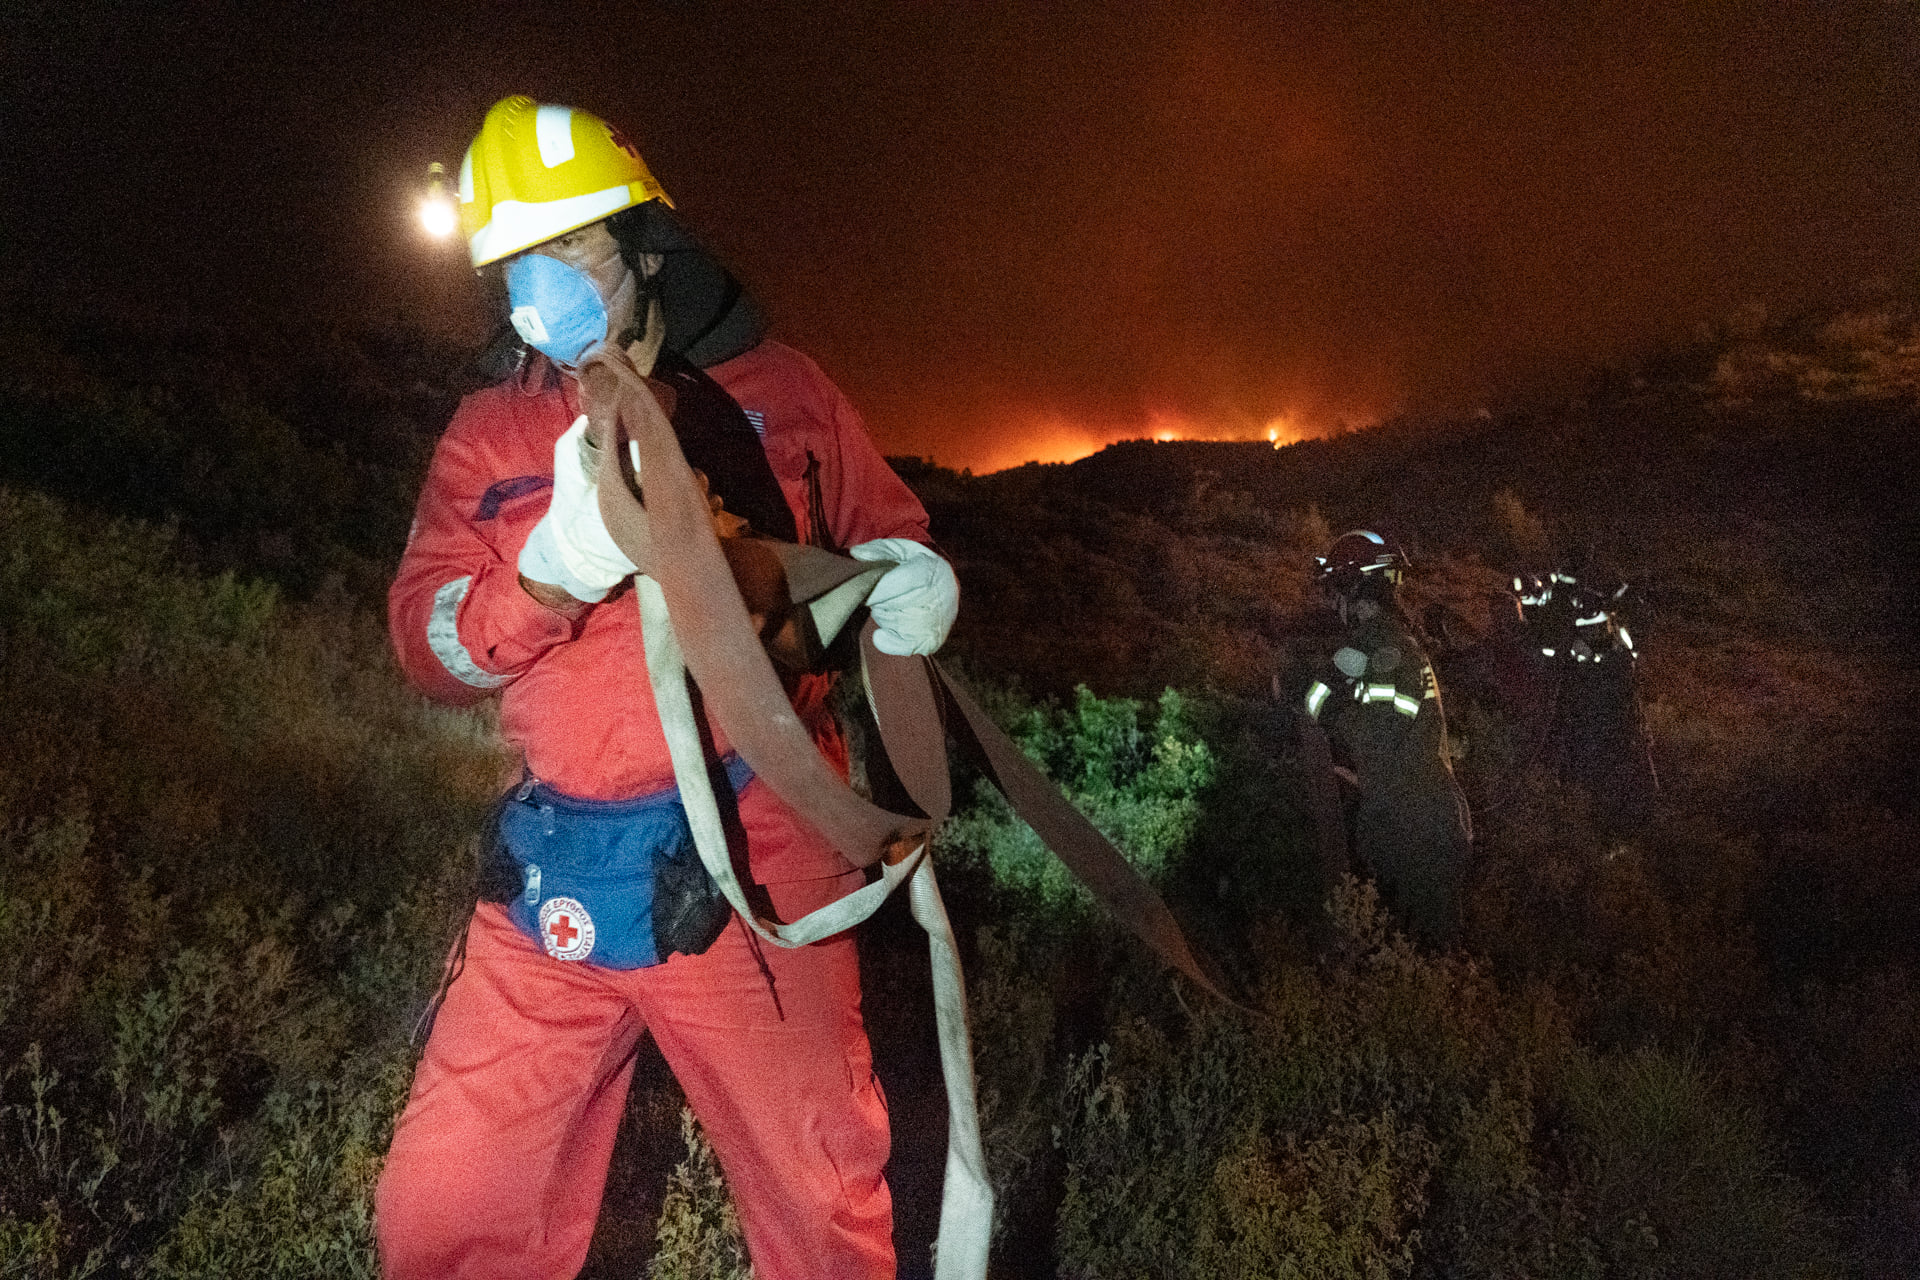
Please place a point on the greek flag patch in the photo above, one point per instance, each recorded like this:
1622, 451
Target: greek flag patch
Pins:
759, 421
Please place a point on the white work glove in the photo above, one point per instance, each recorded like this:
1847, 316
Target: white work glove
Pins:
570, 548
914, 603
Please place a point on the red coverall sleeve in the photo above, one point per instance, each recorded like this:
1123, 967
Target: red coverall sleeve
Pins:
461, 624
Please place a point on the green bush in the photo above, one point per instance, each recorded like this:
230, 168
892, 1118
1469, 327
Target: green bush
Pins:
699, 1233
1139, 784
301, 1206
1675, 1181
1011, 1018
1307, 1138
1396, 1114
231, 853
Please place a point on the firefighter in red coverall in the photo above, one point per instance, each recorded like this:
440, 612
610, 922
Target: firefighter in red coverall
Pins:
510, 586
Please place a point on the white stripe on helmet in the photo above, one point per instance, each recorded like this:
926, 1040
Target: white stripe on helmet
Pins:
517, 224
553, 129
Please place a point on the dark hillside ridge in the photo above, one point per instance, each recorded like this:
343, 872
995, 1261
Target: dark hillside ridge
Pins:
290, 454
1129, 550
294, 455
1610, 468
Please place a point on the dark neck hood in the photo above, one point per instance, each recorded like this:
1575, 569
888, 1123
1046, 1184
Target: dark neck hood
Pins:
710, 316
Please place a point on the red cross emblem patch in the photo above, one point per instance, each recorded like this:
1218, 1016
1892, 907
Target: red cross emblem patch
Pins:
566, 930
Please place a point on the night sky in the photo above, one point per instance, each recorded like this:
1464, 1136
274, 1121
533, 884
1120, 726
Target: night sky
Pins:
1019, 230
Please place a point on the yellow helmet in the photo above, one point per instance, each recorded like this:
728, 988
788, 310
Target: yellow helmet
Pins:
536, 172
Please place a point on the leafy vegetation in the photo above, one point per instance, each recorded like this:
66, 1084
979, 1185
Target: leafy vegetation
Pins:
699, 1236
226, 881
1140, 786
233, 848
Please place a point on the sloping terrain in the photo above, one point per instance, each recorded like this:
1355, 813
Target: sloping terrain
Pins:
233, 846
1763, 918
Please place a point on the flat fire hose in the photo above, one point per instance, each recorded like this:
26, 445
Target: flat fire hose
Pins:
695, 622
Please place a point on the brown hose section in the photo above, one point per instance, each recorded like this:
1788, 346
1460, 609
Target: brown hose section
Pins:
907, 706
672, 539
916, 703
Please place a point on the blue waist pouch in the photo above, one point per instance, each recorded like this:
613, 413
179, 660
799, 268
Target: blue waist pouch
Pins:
616, 882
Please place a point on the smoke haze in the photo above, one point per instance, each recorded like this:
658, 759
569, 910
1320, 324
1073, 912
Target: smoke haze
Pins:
1020, 230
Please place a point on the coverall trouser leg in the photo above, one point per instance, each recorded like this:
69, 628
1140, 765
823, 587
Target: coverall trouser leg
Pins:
1415, 842
499, 1162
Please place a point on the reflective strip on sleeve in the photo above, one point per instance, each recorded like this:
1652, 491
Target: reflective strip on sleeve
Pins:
443, 637
1592, 620
1380, 693
1316, 698
1406, 704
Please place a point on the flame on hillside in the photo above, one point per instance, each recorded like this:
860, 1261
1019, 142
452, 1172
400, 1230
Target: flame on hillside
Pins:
1054, 438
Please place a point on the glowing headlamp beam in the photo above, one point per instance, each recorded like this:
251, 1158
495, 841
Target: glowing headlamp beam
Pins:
437, 212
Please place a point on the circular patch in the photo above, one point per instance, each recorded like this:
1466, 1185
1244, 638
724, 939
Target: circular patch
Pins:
566, 930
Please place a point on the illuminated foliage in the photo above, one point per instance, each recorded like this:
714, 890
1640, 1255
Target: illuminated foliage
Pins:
1141, 784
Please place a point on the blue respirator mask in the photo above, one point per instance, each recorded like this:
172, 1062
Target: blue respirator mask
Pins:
556, 308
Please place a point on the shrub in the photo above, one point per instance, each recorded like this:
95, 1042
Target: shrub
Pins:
1141, 786
230, 852
1011, 1018
1321, 1136
1676, 1182
699, 1233
1394, 1114
1337, 1205
303, 1205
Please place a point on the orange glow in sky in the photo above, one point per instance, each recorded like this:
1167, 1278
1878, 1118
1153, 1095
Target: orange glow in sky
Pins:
1048, 439
1267, 220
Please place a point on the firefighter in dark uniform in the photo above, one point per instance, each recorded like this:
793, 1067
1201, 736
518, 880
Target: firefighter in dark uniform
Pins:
1595, 734
1379, 705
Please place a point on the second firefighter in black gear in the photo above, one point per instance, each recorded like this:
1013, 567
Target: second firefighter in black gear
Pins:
1594, 734
1379, 705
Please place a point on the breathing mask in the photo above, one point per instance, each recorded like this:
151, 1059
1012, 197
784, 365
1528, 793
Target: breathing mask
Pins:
557, 308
